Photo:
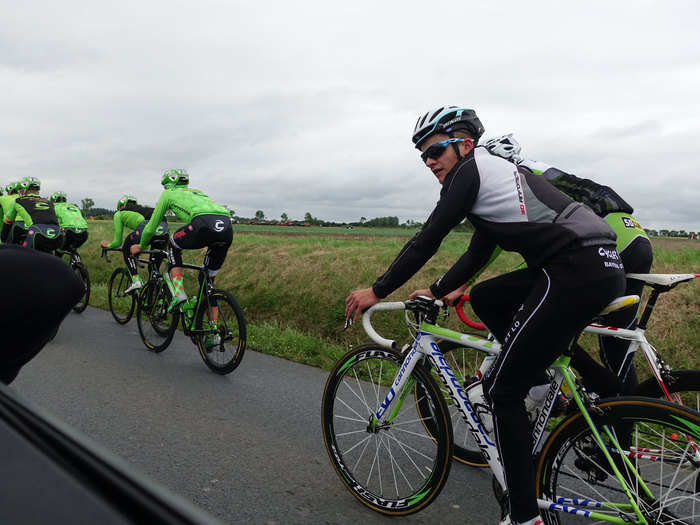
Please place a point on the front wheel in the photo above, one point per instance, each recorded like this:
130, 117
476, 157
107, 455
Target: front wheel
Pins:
660, 463
221, 345
121, 304
156, 325
84, 276
394, 466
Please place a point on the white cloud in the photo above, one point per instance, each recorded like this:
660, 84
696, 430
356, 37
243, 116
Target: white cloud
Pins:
309, 106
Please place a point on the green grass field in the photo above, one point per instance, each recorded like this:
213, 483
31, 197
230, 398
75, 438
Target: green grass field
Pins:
292, 283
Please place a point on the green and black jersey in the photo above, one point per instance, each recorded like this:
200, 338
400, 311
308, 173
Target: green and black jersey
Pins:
30, 209
69, 216
130, 216
186, 204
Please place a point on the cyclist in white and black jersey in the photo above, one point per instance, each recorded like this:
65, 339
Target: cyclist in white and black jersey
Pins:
634, 248
574, 272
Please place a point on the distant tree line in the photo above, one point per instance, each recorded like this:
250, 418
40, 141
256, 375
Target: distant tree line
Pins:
672, 233
378, 222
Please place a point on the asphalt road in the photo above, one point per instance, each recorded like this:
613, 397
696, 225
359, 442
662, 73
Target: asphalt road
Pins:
246, 447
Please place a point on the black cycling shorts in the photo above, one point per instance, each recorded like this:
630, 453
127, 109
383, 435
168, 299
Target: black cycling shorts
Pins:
74, 238
158, 241
212, 231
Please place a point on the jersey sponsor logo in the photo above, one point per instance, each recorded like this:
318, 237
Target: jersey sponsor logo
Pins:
41, 205
610, 254
629, 222
519, 189
178, 234
219, 226
613, 258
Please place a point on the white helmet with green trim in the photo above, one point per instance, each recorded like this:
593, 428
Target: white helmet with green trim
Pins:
172, 178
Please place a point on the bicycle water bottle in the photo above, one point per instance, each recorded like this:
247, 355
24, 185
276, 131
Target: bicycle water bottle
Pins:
486, 366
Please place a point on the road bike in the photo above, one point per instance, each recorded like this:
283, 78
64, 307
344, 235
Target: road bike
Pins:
157, 320
677, 386
121, 304
81, 271
388, 433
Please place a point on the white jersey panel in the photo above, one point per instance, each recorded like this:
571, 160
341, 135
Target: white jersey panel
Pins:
501, 197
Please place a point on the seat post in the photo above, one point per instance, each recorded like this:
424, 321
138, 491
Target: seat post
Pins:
648, 308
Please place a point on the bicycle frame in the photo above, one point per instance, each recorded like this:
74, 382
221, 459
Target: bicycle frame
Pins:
425, 347
74, 257
205, 288
637, 340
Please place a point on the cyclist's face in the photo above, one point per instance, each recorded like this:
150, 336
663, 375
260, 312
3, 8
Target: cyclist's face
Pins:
445, 162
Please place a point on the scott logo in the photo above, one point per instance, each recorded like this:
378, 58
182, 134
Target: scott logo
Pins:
219, 226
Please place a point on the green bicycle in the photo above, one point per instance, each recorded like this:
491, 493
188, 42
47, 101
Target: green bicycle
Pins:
221, 344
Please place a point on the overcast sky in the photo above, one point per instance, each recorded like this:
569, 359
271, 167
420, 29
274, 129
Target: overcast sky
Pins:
309, 106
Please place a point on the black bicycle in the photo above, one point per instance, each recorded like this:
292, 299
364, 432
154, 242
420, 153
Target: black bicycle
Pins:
80, 270
221, 344
121, 304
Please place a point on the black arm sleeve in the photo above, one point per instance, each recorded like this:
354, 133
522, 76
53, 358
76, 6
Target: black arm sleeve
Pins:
458, 193
477, 255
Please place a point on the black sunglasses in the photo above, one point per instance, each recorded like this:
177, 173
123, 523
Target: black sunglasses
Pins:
435, 150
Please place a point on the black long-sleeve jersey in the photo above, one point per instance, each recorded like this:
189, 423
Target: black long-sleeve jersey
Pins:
518, 211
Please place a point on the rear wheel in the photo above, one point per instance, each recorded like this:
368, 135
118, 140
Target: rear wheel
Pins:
156, 325
120, 304
84, 276
658, 439
222, 348
685, 383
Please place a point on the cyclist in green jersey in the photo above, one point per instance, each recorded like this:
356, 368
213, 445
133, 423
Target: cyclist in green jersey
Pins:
71, 221
40, 230
208, 224
131, 215
635, 251
7, 201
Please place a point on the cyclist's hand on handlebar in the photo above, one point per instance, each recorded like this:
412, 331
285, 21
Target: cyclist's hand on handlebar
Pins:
358, 301
425, 293
453, 298
104, 244
135, 250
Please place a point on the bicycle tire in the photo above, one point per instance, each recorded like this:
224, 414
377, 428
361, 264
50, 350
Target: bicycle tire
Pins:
465, 363
683, 382
365, 373
156, 325
225, 357
657, 437
118, 300
84, 276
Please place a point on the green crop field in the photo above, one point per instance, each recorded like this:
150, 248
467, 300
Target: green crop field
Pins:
292, 283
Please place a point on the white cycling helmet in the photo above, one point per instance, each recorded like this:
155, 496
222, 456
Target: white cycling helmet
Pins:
505, 146
447, 119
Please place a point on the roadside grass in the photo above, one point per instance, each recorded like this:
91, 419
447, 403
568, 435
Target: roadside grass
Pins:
292, 287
